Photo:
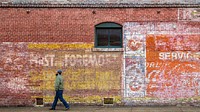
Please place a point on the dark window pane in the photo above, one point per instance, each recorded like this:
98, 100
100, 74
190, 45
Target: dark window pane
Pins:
115, 37
102, 37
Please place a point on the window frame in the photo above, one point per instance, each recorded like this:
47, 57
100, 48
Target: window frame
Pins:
109, 26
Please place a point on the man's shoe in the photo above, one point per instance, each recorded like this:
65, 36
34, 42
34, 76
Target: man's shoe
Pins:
51, 109
67, 108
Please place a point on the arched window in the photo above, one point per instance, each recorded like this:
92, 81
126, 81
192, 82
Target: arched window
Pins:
108, 35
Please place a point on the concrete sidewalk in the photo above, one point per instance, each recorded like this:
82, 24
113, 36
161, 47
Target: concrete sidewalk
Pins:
102, 109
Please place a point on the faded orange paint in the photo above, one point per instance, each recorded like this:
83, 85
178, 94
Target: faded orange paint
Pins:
172, 66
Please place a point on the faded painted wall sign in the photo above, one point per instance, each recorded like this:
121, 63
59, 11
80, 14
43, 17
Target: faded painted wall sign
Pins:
60, 45
89, 76
134, 65
189, 14
14, 78
30, 68
49, 60
163, 62
178, 73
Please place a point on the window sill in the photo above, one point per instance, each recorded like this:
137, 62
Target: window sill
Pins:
108, 49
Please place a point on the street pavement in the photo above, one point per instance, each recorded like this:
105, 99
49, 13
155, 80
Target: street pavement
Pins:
103, 109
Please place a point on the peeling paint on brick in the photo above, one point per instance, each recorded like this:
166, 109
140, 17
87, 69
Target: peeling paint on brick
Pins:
159, 63
172, 63
189, 14
89, 77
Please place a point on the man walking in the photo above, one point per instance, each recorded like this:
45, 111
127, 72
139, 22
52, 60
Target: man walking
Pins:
59, 91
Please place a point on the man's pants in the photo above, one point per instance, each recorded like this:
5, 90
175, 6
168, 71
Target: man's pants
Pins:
59, 95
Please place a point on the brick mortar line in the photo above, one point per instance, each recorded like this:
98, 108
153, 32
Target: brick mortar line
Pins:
100, 5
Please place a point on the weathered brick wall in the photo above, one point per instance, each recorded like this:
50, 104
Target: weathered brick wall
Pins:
15, 88
61, 25
35, 42
162, 63
89, 76
28, 72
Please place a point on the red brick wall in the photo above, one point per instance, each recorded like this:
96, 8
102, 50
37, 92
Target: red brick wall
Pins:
70, 24
48, 41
